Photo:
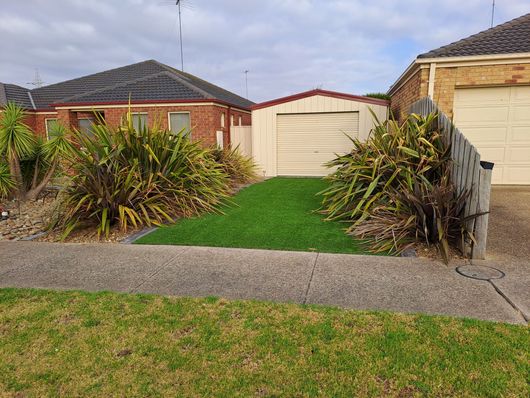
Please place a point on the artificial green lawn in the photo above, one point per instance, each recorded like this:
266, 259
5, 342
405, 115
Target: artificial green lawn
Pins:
107, 344
273, 214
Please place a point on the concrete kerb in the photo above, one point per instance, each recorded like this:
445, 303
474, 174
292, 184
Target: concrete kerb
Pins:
413, 285
134, 237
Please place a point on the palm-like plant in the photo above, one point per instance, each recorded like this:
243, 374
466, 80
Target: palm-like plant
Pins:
19, 144
394, 189
132, 177
7, 184
240, 168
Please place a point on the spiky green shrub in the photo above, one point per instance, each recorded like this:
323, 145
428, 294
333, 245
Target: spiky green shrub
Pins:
7, 183
32, 161
240, 168
394, 188
132, 178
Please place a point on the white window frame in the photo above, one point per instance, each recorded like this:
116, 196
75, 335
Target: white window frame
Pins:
179, 112
231, 120
46, 125
141, 113
222, 119
240, 121
84, 118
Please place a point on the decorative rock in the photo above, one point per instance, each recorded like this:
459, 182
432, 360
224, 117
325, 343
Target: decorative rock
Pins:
28, 219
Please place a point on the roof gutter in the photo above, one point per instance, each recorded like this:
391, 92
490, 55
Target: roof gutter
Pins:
488, 57
456, 61
325, 93
69, 105
405, 73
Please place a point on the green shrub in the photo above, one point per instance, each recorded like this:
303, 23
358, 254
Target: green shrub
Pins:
7, 183
382, 96
128, 177
240, 168
32, 161
394, 188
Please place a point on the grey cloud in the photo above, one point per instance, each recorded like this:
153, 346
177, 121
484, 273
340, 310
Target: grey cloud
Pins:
288, 45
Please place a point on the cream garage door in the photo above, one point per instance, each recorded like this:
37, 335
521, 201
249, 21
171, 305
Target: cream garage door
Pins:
497, 122
308, 140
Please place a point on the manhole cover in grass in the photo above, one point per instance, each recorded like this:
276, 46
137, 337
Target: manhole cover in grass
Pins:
480, 272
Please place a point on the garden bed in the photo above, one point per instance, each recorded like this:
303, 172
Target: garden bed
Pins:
26, 219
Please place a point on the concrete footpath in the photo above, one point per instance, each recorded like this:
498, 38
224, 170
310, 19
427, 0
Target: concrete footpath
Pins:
351, 281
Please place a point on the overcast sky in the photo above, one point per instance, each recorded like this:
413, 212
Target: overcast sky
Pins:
288, 46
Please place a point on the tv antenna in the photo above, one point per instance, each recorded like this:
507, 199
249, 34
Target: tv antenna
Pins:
180, 4
492, 12
246, 82
37, 81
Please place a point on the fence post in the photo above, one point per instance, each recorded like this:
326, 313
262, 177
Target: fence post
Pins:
481, 224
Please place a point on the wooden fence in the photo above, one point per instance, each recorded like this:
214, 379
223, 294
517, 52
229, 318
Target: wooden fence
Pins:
242, 136
468, 173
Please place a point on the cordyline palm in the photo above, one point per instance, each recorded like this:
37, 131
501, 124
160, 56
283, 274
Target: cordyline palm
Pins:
18, 142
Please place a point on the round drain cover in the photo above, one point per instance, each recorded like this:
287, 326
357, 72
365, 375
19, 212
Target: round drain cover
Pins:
480, 272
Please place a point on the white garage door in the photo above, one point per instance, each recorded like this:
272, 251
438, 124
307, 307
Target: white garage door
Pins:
497, 122
308, 140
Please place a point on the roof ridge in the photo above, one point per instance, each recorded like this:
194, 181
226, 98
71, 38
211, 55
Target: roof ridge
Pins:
182, 74
112, 86
31, 99
477, 36
175, 74
91, 74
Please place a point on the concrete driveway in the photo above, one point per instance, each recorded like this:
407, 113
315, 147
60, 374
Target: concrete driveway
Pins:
351, 281
508, 246
509, 224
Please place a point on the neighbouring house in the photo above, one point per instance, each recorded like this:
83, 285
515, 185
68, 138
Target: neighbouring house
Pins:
157, 93
298, 134
483, 83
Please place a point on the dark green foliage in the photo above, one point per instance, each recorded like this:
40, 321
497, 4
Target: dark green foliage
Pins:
240, 168
7, 184
138, 177
32, 161
382, 96
394, 188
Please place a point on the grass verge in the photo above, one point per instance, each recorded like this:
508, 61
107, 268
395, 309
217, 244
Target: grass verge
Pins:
274, 214
109, 344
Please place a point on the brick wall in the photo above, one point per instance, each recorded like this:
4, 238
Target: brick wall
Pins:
205, 119
414, 89
447, 80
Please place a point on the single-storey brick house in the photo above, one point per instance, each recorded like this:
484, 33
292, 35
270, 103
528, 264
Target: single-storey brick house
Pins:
483, 83
157, 92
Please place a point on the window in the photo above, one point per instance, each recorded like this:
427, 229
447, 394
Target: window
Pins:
232, 120
139, 120
50, 123
85, 126
222, 119
179, 121
240, 121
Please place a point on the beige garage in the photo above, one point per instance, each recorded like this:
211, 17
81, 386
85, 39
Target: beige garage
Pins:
497, 122
297, 135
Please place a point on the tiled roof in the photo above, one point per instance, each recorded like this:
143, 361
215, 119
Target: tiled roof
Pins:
508, 38
159, 86
12, 92
144, 81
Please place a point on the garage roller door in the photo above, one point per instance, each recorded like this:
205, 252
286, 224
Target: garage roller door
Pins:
307, 141
497, 122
